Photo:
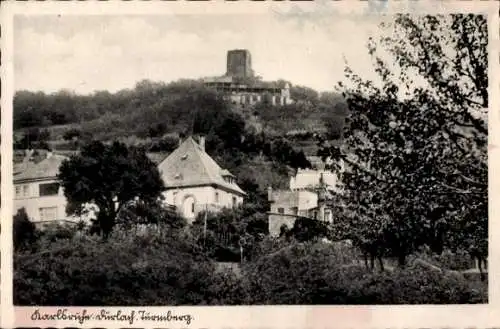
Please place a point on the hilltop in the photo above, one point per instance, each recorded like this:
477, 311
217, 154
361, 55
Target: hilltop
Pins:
154, 115
154, 108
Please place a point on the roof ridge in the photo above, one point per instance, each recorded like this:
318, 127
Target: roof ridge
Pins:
199, 153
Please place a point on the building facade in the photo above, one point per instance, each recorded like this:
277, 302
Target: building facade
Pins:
37, 189
196, 183
309, 195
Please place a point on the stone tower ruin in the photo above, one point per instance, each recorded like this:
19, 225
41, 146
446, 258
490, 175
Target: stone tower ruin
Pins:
239, 63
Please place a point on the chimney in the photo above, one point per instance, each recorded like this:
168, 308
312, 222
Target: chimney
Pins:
202, 143
269, 193
29, 155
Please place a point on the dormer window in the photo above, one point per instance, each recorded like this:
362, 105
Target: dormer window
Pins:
184, 157
227, 176
178, 176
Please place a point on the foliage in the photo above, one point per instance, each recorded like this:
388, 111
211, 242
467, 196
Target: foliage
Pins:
162, 266
72, 133
165, 144
140, 212
318, 274
108, 176
229, 230
419, 152
304, 94
24, 230
457, 261
127, 269
33, 138
307, 229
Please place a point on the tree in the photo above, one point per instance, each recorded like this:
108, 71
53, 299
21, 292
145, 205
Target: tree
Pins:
109, 176
166, 144
71, 134
416, 142
24, 230
307, 229
304, 94
33, 138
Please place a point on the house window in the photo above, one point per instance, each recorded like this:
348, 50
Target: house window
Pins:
192, 207
281, 210
22, 191
48, 214
48, 189
216, 197
19, 191
234, 200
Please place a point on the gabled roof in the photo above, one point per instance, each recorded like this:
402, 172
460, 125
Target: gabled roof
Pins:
45, 169
189, 165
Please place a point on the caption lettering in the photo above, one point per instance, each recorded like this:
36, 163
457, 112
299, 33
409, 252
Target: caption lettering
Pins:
103, 315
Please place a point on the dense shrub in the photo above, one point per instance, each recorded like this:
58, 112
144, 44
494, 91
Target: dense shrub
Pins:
457, 261
318, 274
167, 267
151, 269
24, 231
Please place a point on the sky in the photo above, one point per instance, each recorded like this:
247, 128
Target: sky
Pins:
87, 53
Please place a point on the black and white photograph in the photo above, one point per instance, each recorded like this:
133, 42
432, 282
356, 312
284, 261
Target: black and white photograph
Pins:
281, 157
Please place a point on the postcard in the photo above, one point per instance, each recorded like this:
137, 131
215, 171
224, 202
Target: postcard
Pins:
250, 164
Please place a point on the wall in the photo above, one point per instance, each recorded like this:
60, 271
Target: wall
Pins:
204, 197
277, 220
239, 63
294, 203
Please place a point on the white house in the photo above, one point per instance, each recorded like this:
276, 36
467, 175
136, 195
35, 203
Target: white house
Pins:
37, 190
195, 182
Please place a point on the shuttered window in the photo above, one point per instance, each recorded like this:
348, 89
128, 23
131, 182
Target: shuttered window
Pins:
48, 214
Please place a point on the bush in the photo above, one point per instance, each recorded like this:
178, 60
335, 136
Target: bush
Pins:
155, 269
455, 261
168, 267
24, 230
318, 274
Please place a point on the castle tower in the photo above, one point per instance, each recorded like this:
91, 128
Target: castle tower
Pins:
239, 63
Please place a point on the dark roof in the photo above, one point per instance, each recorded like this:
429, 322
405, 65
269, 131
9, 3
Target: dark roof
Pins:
45, 169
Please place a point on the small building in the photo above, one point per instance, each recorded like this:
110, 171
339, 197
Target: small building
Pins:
196, 183
37, 189
287, 206
309, 196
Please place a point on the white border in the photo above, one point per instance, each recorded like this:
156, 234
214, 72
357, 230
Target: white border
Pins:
481, 316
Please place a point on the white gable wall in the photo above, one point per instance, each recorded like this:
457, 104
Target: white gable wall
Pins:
204, 198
